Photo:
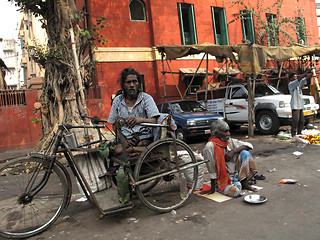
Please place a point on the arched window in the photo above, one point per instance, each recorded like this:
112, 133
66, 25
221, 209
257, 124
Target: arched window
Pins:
137, 10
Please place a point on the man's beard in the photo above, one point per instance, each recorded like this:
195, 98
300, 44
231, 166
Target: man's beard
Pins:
131, 92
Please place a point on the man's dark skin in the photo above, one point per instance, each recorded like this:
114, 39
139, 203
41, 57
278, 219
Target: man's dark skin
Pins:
225, 136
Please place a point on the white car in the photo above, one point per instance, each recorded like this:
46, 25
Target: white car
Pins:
272, 108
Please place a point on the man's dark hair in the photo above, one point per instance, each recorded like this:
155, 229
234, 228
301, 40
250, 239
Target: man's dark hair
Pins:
128, 71
291, 75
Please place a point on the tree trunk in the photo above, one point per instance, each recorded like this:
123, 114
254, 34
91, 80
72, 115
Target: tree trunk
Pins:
63, 99
62, 96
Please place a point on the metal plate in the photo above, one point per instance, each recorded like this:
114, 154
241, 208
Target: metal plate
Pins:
254, 198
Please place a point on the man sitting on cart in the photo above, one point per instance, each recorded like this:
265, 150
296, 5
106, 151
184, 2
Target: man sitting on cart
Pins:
230, 165
135, 107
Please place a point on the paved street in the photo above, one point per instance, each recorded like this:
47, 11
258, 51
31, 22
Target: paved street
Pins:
291, 212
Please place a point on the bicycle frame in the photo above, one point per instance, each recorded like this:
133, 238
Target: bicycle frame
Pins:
60, 146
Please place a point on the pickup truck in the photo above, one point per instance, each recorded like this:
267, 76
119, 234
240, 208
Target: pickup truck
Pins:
191, 118
272, 108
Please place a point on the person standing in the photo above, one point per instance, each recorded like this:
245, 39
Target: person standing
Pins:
135, 107
295, 89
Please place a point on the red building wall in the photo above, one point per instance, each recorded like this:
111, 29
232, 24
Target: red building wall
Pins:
17, 130
162, 28
132, 44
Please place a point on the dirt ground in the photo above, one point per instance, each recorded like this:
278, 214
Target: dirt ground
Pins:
291, 211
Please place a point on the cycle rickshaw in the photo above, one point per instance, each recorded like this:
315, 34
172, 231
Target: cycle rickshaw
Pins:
34, 190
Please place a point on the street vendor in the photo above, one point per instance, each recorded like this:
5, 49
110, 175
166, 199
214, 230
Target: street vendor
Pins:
230, 165
135, 107
295, 89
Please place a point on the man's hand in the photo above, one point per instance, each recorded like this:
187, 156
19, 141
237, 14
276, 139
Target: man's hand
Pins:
132, 121
229, 155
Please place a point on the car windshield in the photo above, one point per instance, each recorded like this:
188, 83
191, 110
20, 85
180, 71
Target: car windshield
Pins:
187, 106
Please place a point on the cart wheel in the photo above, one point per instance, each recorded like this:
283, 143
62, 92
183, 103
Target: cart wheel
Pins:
24, 215
170, 186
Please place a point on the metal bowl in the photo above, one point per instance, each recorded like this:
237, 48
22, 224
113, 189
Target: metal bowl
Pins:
254, 198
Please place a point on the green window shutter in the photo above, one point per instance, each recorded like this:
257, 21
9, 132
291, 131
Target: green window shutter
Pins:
272, 31
247, 26
220, 26
187, 24
181, 24
301, 30
214, 27
224, 27
193, 26
243, 25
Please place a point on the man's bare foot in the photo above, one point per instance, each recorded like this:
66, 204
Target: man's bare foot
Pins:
211, 191
245, 185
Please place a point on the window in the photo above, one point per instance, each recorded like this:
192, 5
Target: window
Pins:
187, 24
247, 26
238, 93
301, 30
196, 84
142, 85
220, 26
137, 10
272, 29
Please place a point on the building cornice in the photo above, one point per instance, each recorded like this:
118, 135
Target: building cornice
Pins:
133, 54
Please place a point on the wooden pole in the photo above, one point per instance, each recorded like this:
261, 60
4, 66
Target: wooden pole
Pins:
279, 75
163, 78
174, 80
207, 66
193, 77
250, 107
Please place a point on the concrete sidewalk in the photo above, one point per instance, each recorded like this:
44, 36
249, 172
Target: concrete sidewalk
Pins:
5, 155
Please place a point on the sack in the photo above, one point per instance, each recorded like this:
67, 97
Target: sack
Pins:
188, 173
92, 164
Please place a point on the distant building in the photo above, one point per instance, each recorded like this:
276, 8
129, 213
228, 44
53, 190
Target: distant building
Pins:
30, 34
318, 15
8, 53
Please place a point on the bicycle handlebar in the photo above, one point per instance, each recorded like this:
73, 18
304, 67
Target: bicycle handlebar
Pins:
95, 119
82, 126
153, 125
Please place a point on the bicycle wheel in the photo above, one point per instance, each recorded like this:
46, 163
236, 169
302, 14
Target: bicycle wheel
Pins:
172, 182
21, 215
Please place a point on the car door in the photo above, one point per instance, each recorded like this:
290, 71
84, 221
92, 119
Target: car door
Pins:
236, 104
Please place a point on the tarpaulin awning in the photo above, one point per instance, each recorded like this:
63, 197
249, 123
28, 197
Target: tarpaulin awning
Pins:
225, 71
252, 57
192, 71
177, 51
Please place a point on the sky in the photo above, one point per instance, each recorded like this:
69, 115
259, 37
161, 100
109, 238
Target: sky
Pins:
9, 17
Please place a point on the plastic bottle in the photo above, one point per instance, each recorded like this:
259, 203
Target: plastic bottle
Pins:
183, 186
123, 185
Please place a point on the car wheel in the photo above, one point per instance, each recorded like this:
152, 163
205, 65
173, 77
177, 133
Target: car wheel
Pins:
267, 122
180, 135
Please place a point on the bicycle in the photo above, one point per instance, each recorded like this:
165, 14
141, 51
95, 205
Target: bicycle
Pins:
36, 189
